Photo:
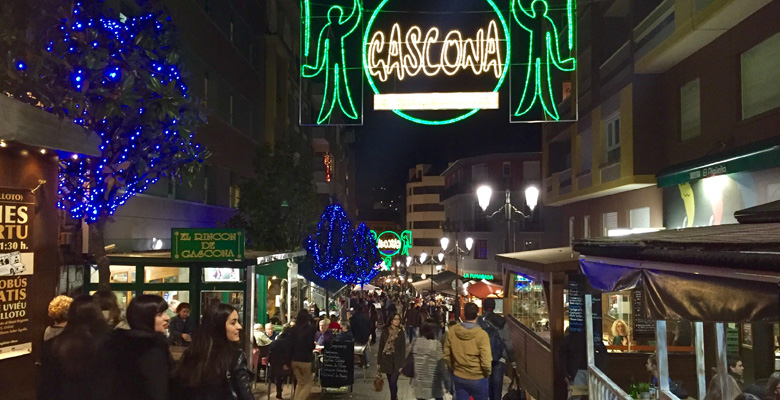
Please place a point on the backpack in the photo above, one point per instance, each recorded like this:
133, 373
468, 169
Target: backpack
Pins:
496, 343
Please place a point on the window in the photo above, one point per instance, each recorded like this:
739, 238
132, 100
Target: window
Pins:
639, 217
586, 226
119, 274
609, 221
690, 110
571, 230
428, 190
426, 225
480, 249
173, 298
166, 275
529, 305
427, 207
760, 69
612, 134
479, 173
434, 243
235, 196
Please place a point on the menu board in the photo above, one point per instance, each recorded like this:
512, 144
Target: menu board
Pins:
17, 209
338, 364
576, 306
642, 326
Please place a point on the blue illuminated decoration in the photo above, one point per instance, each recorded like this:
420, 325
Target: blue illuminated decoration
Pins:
82, 73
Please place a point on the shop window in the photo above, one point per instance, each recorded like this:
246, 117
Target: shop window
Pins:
690, 110
529, 306
166, 275
480, 249
119, 274
233, 297
586, 226
760, 72
612, 134
173, 298
609, 221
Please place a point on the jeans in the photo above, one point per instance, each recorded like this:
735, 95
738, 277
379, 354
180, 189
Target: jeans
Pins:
411, 332
475, 388
302, 371
496, 380
392, 383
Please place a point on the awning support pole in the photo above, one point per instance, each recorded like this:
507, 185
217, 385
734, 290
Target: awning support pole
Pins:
700, 368
589, 329
720, 335
662, 356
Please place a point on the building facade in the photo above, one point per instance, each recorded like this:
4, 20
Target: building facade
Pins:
424, 211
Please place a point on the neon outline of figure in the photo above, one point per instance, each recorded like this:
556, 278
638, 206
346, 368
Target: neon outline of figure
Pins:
526, 20
338, 25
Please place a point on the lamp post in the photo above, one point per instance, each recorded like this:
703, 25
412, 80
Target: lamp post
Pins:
458, 252
531, 198
425, 260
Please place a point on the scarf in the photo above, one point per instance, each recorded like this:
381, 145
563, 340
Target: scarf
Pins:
392, 334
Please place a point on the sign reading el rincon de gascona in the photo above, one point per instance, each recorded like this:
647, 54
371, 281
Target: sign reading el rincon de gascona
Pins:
438, 62
17, 209
207, 244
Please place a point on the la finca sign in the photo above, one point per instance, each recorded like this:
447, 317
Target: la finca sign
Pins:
438, 62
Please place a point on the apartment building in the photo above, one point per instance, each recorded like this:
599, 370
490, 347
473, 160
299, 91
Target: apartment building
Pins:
424, 212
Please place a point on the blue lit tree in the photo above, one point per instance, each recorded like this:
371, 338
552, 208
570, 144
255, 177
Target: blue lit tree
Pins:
366, 261
330, 246
118, 78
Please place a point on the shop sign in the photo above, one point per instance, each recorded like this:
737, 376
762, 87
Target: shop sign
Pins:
390, 243
207, 244
17, 208
486, 277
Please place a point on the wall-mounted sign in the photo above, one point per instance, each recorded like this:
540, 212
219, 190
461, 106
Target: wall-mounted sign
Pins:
414, 53
207, 244
390, 243
17, 209
487, 277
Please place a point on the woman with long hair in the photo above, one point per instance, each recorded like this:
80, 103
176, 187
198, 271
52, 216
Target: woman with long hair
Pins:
109, 304
302, 335
213, 367
428, 377
392, 353
70, 365
138, 359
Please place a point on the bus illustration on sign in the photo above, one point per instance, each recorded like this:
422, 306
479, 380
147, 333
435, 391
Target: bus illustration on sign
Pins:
11, 264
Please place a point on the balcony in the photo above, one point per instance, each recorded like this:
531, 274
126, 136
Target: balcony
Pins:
677, 29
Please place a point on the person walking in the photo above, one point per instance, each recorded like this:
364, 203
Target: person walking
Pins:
412, 321
391, 354
500, 347
427, 351
58, 311
302, 335
70, 362
467, 354
181, 326
138, 359
213, 367
280, 355
361, 325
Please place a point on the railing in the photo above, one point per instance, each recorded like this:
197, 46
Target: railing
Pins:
600, 387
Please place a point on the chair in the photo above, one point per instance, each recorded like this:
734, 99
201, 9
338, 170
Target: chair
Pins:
362, 352
260, 361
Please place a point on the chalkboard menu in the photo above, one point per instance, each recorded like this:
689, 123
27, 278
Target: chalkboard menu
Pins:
642, 326
338, 364
576, 306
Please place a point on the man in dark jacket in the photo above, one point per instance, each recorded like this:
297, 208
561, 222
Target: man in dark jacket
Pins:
412, 321
361, 326
496, 322
280, 356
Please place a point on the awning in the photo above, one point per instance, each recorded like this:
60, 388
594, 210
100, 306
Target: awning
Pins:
673, 295
306, 269
753, 157
276, 268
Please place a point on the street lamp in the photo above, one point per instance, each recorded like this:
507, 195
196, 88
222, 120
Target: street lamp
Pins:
458, 252
424, 260
531, 198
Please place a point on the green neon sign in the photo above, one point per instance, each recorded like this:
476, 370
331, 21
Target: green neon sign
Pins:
390, 243
486, 277
332, 30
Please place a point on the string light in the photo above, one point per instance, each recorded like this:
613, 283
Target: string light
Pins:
481, 54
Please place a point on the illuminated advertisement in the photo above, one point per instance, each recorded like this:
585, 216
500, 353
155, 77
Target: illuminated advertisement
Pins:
437, 63
390, 243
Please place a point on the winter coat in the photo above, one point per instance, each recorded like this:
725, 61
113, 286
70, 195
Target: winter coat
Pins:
413, 317
177, 326
80, 377
392, 363
467, 351
237, 384
303, 342
280, 353
428, 379
500, 324
361, 327
139, 365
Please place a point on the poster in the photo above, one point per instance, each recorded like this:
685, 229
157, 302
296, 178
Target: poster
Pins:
17, 207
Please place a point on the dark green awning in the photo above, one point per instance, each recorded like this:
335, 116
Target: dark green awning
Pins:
276, 268
753, 157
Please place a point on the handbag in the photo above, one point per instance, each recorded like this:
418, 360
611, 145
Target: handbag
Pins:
408, 368
378, 383
514, 392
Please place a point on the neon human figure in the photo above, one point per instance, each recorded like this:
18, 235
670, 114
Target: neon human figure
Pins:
331, 59
537, 77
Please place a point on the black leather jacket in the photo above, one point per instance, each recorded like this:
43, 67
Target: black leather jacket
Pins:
236, 386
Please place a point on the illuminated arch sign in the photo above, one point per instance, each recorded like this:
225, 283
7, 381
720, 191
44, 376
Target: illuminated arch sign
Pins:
390, 243
438, 62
